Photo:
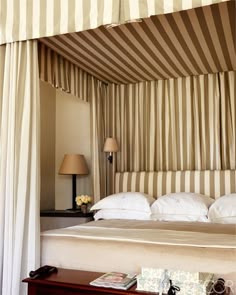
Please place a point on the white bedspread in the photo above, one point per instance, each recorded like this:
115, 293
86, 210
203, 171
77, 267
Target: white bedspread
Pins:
128, 245
148, 232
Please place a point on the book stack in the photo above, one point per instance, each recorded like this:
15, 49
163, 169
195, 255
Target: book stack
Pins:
116, 280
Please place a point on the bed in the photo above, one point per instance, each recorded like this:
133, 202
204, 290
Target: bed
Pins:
205, 247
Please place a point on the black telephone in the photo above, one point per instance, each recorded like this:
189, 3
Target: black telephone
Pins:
42, 271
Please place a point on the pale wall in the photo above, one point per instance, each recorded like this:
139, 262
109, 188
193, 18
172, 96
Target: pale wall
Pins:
72, 136
47, 157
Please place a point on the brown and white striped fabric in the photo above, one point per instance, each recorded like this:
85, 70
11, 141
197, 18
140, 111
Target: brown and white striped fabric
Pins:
210, 183
27, 19
64, 75
187, 123
177, 124
131, 10
191, 42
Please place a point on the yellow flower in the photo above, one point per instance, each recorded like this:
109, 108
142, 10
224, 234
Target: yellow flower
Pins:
83, 199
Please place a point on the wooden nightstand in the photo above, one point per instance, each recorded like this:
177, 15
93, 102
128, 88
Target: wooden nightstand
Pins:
51, 219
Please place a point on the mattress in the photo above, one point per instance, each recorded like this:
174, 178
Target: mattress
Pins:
128, 245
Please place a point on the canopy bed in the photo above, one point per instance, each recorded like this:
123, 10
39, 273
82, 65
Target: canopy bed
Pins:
210, 247
159, 75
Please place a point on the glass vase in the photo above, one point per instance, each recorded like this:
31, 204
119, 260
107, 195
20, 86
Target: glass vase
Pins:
84, 208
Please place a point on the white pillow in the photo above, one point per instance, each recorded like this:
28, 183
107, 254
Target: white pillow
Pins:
128, 201
223, 210
181, 207
178, 217
121, 214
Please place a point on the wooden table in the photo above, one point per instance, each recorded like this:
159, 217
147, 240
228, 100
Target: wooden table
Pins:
51, 219
72, 282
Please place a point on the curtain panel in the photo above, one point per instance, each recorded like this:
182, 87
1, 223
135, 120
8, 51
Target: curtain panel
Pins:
19, 165
27, 19
97, 95
177, 124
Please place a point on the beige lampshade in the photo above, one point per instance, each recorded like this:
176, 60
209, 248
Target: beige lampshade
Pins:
111, 145
73, 164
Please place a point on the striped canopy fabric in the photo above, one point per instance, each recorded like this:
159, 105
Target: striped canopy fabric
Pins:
178, 124
190, 42
27, 19
213, 183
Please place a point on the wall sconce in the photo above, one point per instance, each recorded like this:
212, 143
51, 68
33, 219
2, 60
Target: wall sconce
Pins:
73, 165
110, 146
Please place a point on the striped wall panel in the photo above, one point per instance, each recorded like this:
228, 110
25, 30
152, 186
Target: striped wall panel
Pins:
191, 42
27, 19
211, 183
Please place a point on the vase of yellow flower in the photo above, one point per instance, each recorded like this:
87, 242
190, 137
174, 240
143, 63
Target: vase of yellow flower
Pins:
83, 202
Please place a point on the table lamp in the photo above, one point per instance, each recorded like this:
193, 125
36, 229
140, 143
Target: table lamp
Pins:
73, 164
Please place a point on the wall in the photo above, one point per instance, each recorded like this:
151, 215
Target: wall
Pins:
48, 139
72, 136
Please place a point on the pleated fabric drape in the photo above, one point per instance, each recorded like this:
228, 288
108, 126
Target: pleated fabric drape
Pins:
158, 48
97, 95
19, 165
62, 74
27, 19
177, 124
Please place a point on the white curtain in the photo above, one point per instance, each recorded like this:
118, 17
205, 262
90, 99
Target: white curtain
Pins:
19, 165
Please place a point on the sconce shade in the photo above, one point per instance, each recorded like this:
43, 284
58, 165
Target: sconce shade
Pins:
111, 145
73, 164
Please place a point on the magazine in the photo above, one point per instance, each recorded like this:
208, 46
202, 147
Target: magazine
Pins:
117, 280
